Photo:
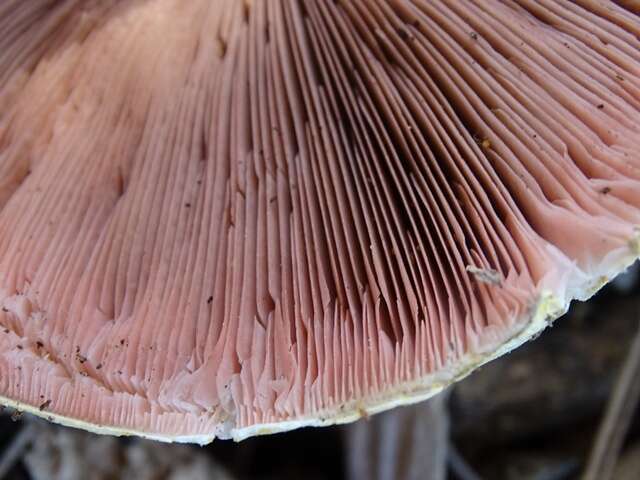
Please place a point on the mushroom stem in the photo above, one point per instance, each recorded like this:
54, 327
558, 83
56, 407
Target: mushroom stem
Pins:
402, 444
617, 418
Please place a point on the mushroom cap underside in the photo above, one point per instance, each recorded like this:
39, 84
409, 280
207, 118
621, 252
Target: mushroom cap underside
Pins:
226, 218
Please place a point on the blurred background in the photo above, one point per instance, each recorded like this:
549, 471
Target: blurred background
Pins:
538, 413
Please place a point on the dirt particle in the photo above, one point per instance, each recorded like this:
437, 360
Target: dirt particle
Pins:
246, 12
221, 47
403, 34
363, 413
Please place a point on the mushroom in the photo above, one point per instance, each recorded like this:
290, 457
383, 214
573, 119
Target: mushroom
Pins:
228, 218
